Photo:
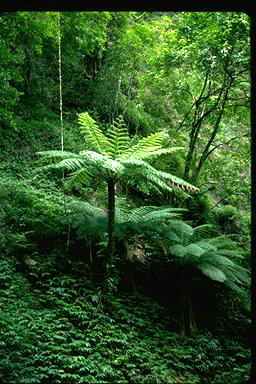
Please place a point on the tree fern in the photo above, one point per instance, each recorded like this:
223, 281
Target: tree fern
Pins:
215, 257
112, 159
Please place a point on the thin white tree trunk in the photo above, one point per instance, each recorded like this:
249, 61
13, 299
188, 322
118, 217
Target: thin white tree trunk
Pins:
60, 82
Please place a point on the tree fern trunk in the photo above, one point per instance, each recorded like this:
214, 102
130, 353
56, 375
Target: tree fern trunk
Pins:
187, 323
111, 218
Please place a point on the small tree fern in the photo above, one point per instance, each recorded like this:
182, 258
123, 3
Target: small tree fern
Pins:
216, 257
111, 158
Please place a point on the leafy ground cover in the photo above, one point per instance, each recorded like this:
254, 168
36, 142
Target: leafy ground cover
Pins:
54, 332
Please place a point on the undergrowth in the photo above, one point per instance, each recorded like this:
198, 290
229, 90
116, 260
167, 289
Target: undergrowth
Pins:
55, 331
55, 327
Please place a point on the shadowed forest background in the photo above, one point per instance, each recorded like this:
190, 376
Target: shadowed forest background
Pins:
125, 197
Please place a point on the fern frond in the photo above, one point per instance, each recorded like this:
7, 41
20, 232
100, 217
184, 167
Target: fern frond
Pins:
80, 177
202, 232
68, 164
57, 155
216, 259
178, 250
147, 144
150, 154
103, 165
213, 272
232, 285
153, 214
236, 275
232, 253
86, 208
181, 228
95, 138
222, 242
194, 250
139, 170
205, 245
118, 139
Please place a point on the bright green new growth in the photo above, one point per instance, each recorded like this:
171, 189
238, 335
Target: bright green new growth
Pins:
128, 161
95, 137
113, 158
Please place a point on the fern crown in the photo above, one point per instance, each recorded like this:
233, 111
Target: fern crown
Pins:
111, 157
214, 256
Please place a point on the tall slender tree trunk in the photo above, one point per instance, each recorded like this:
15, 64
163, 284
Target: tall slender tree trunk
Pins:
60, 84
111, 218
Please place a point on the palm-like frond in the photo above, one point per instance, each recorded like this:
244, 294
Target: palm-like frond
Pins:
57, 155
86, 208
79, 177
212, 272
144, 147
84, 165
180, 227
203, 232
216, 259
95, 138
150, 213
90, 222
118, 139
113, 158
103, 165
238, 274
65, 160
139, 170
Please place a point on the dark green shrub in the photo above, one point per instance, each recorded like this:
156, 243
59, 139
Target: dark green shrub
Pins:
231, 220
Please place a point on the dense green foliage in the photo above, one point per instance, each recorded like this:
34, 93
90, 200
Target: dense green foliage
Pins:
125, 257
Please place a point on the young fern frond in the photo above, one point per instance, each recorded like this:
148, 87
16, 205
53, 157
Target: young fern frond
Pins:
118, 139
95, 138
145, 145
152, 154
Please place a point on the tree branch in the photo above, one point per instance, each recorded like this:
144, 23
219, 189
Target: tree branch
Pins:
214, 132
227, 142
